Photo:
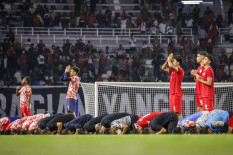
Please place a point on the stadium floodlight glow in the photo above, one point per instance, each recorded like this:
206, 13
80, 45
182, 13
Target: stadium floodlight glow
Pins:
192, 2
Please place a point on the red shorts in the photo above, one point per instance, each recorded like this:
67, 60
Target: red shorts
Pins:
230, 122
176, 102
208, 103
198, 98
24, 112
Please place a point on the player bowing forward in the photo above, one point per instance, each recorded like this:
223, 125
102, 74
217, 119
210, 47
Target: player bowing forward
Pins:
177, 75
70, 76
207, 84
25, 93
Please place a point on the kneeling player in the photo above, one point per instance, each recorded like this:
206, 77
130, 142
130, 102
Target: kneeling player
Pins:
74, 125
163, 123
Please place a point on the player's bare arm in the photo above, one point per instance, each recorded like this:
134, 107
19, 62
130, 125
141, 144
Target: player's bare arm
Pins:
170, 64
124, 127
29, 104
17, 90
163, 130
208, 82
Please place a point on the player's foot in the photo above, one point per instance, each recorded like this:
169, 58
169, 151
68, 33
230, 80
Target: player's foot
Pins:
215, 124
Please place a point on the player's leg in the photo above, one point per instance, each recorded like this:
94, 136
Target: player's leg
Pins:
172, 103
23, 110
177, 107
70, 103
172, 124
199, 103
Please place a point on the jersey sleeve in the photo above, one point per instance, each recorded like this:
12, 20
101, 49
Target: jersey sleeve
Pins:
74, 79
29, 91
179, 71
170, 70
209, 73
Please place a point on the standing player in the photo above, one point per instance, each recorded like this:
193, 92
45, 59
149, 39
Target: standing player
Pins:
207, 84
177, 75
200, 57
25, 93
70, 76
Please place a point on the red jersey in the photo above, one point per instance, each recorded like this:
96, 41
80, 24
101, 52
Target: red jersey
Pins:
4, 122
25, 93
198, 84
175, 81
144, 121
73, 87
33, 125
17, 124
207, 91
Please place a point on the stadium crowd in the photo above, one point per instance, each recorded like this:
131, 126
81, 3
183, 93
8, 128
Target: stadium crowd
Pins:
45, 64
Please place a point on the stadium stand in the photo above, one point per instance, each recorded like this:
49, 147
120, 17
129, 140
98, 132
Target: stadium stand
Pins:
39, 38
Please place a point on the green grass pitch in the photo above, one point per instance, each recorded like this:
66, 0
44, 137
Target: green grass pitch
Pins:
114, 144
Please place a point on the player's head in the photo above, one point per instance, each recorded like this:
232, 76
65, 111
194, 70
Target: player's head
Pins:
200, 56
193, 131
107, 131
7, 132
97, 127
208, 60
37, 131
134, 131
23, 132
177, 61
178, 130
204, 130
81, 132
145, 131
66, 132
25, 81
112, 131
45, 132
74, 71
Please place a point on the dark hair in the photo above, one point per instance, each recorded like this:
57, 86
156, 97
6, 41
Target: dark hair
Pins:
210, 57
204, 53
7, 132
76, 69
44, 131
64, 131
176, 130
204, 130
27, 78
145, 131
107, 131
81, 132
179, 59
134, 131
193, 131
36, 131
23, 132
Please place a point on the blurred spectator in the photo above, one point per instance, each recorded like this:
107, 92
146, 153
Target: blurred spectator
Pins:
91, 21
108, 15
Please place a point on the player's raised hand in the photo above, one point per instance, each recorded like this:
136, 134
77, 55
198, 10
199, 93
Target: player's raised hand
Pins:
198, 77
170, 57
68, 68
193, 72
